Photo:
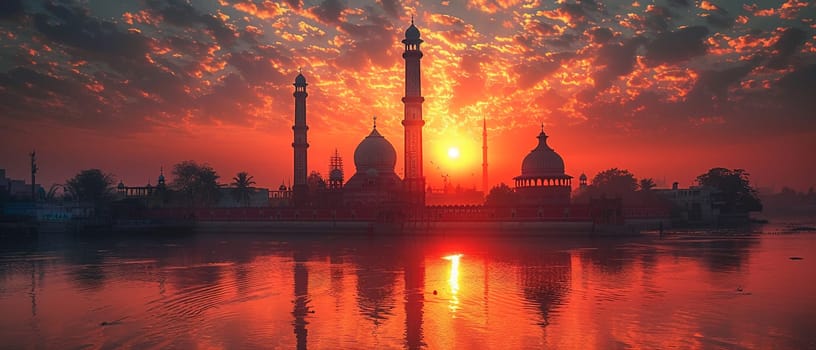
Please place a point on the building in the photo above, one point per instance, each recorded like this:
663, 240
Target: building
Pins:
17, 189
300, 145
693, 205
374, 182
543, 181
412, 118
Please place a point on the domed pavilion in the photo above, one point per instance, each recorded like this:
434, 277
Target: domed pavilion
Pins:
374, 181
543, 181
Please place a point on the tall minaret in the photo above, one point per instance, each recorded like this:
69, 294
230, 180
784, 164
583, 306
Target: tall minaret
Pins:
300, 189
484, 156
412, 121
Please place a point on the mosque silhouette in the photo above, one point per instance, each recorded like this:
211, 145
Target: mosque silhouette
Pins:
374, 184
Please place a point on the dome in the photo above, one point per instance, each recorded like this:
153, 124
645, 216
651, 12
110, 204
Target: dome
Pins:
412, 33
375, 152
121, 185
583, 177
300, 80
542, 161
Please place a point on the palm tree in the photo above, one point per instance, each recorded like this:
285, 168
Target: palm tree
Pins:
646, 184
242, 183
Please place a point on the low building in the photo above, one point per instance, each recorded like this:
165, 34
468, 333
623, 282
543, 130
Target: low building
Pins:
695, 205
231, 197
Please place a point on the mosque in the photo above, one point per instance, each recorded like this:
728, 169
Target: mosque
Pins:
543, 181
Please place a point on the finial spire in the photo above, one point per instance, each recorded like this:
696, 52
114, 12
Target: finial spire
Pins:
375, 121
542, 127
300, 70
412, 19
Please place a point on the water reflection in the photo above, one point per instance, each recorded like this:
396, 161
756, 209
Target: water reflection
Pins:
545, 281
301, 302
376, 281
453, 282
414, 275
244, 291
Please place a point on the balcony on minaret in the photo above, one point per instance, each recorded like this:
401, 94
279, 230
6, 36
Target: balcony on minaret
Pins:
412, 41
300, 84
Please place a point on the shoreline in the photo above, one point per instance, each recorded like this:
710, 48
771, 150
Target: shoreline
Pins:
422, 228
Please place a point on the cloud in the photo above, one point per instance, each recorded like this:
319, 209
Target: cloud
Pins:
328, 11
658, 17
719, 20
265, 10
258, 65
798, 88
533, 71
72, 26
712, 85
677, 46
11, 9
371, 43
787, 45
391, 7
491, 6
600, 35
615, 59
183, 14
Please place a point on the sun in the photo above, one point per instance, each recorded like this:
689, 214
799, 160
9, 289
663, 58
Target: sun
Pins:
453, 153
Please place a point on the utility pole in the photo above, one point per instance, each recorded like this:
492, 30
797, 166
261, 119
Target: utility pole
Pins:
34, 169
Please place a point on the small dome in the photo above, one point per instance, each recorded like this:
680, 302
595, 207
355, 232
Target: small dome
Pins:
282, 187
582, 177
412, 33
121, 185
300, 80
542, 161
375, 152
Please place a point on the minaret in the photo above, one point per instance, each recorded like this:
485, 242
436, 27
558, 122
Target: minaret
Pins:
300, 190
484, 156
412, 120
161, 183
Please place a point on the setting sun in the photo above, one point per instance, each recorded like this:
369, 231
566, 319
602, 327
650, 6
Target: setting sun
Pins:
453, 152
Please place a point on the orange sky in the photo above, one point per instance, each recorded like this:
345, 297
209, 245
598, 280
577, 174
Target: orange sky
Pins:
666, 90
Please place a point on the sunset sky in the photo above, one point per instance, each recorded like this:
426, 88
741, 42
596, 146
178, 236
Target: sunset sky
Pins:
664, 88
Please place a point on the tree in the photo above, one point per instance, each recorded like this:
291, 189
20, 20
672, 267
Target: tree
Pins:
615, 182
315, 182
91, 185
646, 185
197, 182
734, 190
500, 196
242, 187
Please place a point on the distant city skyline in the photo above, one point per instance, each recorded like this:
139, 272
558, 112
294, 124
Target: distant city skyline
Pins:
666, 90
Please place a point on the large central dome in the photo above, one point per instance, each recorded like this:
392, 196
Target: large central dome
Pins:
542, 161
375, 152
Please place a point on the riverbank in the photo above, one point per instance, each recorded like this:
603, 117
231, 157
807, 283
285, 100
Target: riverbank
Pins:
476, 228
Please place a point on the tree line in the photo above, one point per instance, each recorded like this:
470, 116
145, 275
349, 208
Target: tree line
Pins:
193, 184
732, 188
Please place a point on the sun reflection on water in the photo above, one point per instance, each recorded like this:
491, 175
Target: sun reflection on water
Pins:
453, 282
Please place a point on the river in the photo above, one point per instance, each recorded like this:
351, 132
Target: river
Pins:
735, 289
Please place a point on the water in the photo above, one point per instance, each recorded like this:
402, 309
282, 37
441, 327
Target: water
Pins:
720, 290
